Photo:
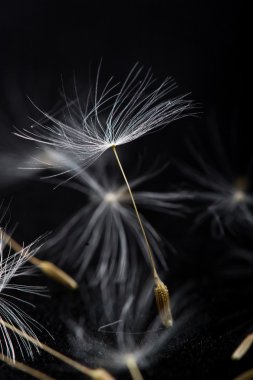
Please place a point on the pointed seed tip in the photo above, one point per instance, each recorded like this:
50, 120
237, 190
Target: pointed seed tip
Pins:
243, 347
58, 274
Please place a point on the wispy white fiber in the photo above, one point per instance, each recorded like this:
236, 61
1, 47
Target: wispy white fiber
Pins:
225, 200
114, 115
105, 231
12, 294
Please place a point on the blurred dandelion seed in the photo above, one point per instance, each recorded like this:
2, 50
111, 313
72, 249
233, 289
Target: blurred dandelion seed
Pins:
108, 206
96, 374
120, 114
108, 223
223, 198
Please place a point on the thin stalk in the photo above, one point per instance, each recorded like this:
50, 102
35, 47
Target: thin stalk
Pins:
152, 261
48, 268
96, 374
25, 368
133, 368
161, 290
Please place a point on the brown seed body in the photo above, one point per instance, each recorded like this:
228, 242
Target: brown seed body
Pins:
163, 303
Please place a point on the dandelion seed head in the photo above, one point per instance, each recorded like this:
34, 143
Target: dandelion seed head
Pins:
115, 115
104, 231
12, 266
221, 198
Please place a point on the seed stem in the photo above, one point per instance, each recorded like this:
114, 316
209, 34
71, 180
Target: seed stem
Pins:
243, 347
96, 374
25, 368
161, 291
248, 375
133, 368
152, 261
48, 268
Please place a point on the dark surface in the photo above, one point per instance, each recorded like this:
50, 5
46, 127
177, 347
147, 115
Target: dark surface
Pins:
197, 43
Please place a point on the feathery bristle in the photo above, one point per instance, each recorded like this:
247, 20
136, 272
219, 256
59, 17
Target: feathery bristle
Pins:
163, 303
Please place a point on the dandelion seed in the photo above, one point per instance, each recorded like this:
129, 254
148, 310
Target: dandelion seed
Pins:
130, 113
12, 267
120, 114
223, 198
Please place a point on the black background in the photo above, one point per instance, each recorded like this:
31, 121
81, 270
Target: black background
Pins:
198, 44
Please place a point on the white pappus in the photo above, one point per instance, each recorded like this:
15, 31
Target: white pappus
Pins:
105, 228
116, 116
11, 295
219, 195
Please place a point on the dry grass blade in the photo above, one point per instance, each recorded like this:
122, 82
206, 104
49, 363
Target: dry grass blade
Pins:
96, 374
25, 368
243, 347
48, 268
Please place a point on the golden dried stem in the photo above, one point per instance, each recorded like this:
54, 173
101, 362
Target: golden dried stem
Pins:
243, 347
248, 375
48, 268
137, 214
133, 368
25, 368
96, 374
161, 290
